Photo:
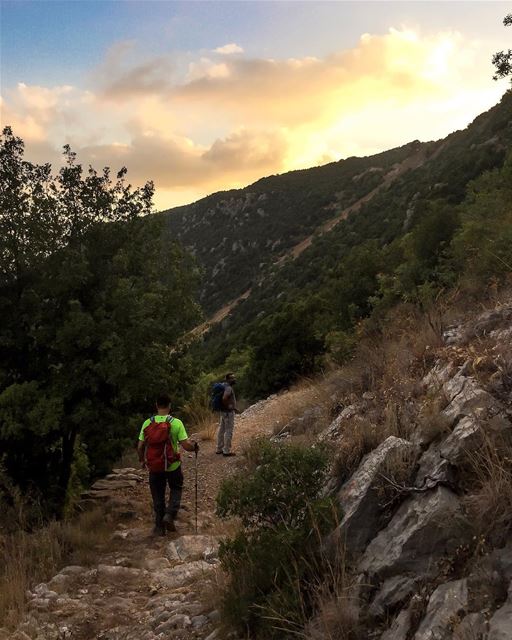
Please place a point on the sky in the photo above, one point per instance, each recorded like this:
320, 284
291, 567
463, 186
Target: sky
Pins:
206, 96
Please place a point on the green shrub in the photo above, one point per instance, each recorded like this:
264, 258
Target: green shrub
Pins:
277, 553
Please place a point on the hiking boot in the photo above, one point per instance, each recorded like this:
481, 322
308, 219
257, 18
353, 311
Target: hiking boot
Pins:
159, 530
169, 523
219, 452
229, 455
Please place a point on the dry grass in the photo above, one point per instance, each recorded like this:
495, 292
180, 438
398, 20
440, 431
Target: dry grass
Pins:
303, 397
29, 558
396, 475
432, 423
332, 595
200, 418
489, 506
359, 438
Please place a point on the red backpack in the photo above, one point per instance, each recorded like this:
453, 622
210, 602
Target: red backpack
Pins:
159, 450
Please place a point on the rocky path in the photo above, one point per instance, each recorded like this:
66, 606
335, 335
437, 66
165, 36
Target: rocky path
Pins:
144, 587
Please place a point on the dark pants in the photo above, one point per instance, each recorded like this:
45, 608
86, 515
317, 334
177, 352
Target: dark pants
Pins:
158, 483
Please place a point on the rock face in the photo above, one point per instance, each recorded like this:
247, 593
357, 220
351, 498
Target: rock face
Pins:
393, 593
359, 497
500, 625
193, 548
426, 528
466, 398
447, 605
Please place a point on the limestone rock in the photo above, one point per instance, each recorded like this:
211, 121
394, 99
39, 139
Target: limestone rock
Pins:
199, 621
467, 398
503, 559
438, 375
446, 606
489, 321
400, 627
472, 627
426, 527
118, 574
113, 485
60, 583
393, 593
333, 430
193, 548
500, 625
154, 564
440, 460
178, 576
359, 498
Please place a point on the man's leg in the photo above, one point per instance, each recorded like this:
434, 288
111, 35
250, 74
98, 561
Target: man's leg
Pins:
175, 482
220, 435
229, 421
157, 486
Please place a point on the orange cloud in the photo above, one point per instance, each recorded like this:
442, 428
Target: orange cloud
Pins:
196, 124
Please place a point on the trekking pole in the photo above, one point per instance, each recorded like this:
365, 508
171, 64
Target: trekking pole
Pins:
196, 492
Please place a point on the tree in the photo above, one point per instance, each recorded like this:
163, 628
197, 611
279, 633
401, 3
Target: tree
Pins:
502, 60
93, 295
284, 347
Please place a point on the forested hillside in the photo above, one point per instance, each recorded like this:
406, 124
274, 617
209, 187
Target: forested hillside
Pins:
415, 236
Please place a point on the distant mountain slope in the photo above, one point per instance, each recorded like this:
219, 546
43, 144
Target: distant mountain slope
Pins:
234, 234
244, 238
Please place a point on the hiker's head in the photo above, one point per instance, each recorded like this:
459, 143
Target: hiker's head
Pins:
163, 401
230, 378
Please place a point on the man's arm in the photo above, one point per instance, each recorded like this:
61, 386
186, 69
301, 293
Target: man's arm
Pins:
141, 450
189, 445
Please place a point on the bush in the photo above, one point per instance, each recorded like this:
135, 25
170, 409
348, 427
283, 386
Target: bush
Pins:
276, 555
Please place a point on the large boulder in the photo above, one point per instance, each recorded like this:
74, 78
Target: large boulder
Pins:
440, 460
399, 629
182, 573
193, 548
426, 528
359, 497
467, 398
447, 605
500, 625
392, 594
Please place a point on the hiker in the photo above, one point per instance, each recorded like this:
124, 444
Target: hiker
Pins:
159, 441
227, 417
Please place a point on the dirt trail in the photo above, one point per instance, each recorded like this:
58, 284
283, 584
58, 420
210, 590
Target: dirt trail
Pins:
142, 587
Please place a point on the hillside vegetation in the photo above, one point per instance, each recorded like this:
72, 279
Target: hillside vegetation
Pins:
417, 235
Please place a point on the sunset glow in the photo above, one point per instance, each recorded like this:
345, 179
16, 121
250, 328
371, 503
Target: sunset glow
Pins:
202, 118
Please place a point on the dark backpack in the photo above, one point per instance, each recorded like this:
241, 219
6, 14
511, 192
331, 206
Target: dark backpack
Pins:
217, 394
159, 450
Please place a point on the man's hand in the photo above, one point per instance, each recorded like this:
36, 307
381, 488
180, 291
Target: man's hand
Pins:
143, 465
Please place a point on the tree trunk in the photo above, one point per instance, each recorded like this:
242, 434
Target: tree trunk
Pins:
68, 451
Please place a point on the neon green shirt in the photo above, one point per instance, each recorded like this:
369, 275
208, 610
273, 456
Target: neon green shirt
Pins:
178, 434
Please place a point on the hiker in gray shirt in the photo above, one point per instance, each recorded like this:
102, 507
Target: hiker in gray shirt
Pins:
227, 417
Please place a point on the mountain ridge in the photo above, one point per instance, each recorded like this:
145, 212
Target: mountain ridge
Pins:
236, 235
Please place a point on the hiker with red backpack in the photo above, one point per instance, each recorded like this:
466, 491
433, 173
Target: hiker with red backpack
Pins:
159, 444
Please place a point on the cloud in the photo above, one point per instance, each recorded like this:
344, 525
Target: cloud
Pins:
118, 77
229, 49
176, 162
197, 123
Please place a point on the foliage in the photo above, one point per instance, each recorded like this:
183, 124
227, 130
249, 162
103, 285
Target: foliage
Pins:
433, 228
283, 348
92, 296
276, 555
502, 60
